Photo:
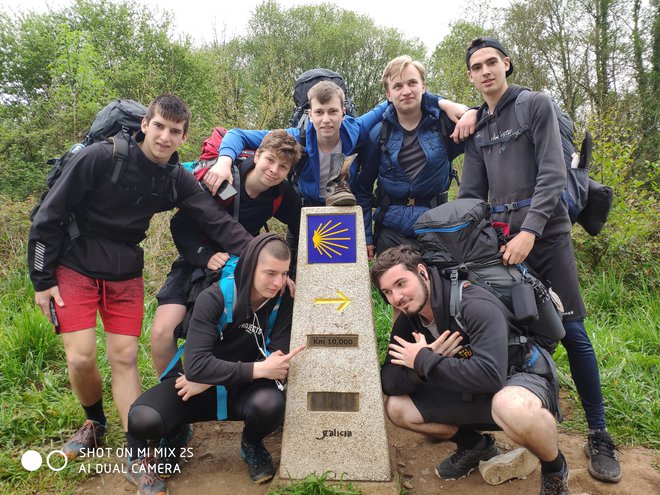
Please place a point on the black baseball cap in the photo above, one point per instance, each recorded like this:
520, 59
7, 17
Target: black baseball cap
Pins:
487, 42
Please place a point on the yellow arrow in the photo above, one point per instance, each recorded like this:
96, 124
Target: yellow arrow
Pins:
342, 299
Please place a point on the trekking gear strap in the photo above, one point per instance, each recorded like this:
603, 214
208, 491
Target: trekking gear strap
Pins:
509, 207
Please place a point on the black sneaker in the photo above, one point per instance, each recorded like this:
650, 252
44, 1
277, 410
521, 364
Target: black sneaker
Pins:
171, 448
88, 436
603, 460
463, 461
259, 461
555, 483
341, 195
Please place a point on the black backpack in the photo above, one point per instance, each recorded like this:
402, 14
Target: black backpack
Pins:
304, 83
459, 240
589, 202
117, 122
300, 115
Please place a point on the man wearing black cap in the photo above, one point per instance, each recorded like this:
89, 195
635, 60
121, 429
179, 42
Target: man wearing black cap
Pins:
523, 179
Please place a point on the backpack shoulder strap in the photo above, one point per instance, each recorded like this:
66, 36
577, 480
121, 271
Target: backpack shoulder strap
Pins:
227, 286
236, 174
522, 113
120, 147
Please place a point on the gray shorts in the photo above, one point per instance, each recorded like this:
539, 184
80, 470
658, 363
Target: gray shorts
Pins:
438, 404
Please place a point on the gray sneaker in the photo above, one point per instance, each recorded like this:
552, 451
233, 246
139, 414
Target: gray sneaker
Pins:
463, 461
518, 463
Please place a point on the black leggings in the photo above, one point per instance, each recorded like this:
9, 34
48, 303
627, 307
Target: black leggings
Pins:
160, 412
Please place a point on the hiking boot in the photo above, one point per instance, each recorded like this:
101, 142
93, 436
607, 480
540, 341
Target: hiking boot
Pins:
259, 461
171, 448
518, 463
555, 483
143, 473
338, 192
603, 460
341, 195
463, 461
87, 437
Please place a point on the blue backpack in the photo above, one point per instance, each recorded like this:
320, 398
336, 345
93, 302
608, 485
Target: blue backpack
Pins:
228, 288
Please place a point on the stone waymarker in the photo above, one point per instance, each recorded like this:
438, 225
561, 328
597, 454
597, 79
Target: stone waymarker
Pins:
335, 419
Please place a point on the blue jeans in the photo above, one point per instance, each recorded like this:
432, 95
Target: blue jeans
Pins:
584, 370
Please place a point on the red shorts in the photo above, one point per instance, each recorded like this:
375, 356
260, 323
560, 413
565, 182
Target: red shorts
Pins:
120, 303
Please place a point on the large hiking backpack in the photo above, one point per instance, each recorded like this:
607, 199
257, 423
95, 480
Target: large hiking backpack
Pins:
589, 202
460, 241
117, 122
300, 115
304, 83
226, 282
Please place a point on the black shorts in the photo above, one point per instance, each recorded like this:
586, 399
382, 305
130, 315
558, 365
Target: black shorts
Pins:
553, 259
438, 404
177, 284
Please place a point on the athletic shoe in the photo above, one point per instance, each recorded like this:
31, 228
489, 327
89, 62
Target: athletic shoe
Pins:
603, 460
171, 448
518, 463
259, 461
463, 461
143, 473
555, 483
87, 437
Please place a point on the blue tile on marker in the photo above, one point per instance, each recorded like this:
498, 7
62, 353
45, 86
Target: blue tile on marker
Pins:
331, 239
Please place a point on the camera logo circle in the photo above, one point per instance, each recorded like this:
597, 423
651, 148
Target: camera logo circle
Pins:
55, 468
31, 460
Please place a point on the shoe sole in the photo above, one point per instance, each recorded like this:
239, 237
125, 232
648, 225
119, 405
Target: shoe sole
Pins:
596, 474
518, 463
346, 199
453, 479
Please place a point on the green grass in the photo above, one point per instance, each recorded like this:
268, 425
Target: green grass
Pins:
38, 410
316, 485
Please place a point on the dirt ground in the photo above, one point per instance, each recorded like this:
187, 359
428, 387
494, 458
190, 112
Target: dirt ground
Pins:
216, 468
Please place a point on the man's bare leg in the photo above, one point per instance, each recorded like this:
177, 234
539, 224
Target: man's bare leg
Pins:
122, 353
163, 344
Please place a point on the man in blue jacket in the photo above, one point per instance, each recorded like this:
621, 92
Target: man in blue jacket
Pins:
408, 155
329, 133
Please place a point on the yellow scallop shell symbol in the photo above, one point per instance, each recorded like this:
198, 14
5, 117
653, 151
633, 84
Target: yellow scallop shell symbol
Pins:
327, 240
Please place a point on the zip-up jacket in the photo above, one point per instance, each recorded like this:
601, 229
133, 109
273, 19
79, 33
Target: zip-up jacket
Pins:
353, 132
113, 219
503, 166
392, 180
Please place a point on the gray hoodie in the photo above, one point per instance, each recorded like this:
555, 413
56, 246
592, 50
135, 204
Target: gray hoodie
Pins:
502, 165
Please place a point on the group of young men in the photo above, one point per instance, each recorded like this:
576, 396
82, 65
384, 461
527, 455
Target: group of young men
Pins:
237, 352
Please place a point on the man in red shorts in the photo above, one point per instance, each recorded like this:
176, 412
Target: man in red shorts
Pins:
97, 266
